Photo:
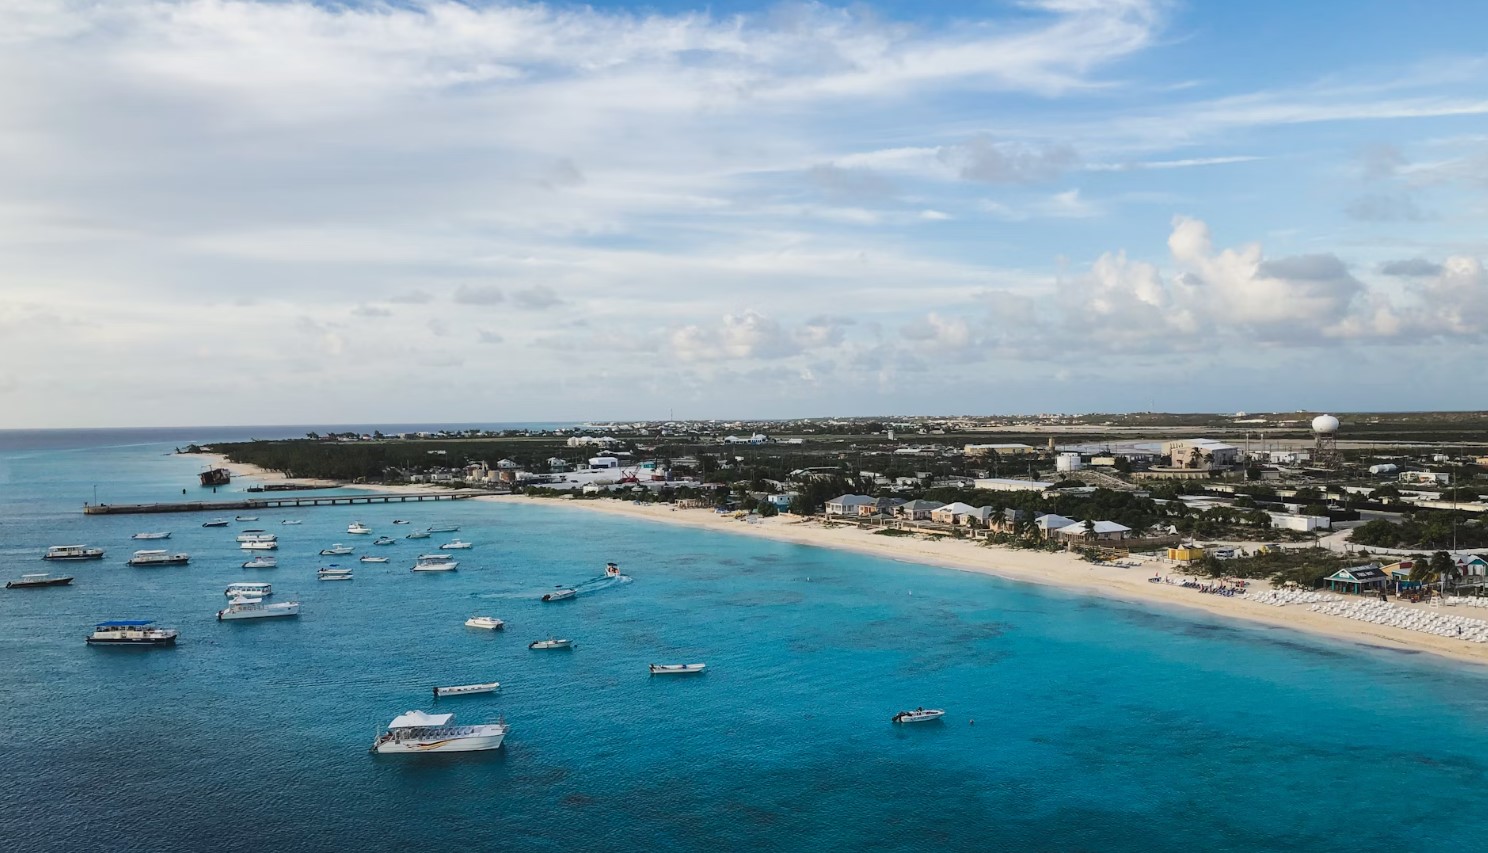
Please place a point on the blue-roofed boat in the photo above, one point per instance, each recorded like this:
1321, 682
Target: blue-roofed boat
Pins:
131, 632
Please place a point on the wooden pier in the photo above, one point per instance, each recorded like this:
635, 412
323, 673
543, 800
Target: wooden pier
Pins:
277, 503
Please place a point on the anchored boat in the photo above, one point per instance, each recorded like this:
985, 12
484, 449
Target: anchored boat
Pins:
249, 589
131, 632
416, 731
466, 689
38, 579
254, 608
262, 563
918, 715
257, 536
337, 550
445, 528
358, 528
551, 643
435, 563
418, 534
385, 540
158, 558
64, 553
455, 545
332, 573
161, 535
676, 668
490, 623
216, 522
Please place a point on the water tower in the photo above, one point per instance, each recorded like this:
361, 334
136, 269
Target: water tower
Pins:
1325, 441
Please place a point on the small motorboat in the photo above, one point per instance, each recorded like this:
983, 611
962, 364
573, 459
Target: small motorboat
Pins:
456, 545
38, 579
551, 643
165, 534
333, 573
466, 689
385, 540
246, 518
291, 521
490, 623
260, 545
358, 528
374, 559
676, 668
560, 594
418, 534
262, 563
337, 550
918, 715
612, 570
445, 528
399, 521
216, 522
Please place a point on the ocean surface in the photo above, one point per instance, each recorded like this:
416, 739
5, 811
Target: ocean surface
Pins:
1073, 724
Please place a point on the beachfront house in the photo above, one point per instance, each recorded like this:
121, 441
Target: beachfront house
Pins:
1358, 579
1099, 531
850, 505
951, 513
1472, 566
917, 510
1050, 522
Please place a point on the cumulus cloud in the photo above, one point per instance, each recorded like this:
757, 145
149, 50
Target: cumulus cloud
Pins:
467, 294
940, 333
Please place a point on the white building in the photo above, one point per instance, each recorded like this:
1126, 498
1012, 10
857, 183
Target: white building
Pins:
600, 463
999, 484
1201, 454
592, 441
1067, 462
1301, 523
999, 449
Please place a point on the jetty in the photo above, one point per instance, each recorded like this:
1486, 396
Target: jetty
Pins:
276, 503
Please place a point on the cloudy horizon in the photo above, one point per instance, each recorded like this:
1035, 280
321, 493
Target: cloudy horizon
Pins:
227, 211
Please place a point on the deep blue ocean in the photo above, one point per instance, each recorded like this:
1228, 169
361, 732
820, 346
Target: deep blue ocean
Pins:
1098, 726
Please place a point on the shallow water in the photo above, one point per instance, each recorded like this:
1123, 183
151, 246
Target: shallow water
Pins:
1098, 725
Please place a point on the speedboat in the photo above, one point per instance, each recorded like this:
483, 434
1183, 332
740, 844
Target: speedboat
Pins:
158, 558
399, 521
246, 518
72, 552
918, 715
291, 521
385, 540
249, 589
260, 545
467, 689
676, 668
262, 563
416, 731
444, 528
560, 594
358, 528
337, 550
612, 570
435, 563
332, 573
37, 579
374, 559
216, 522
490, 623
418, 534
455, 545
257, 536
161, 535
551, 643
254, 608
131, 632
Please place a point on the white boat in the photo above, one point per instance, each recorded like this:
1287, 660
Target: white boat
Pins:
435, 563
374, 559
337, 550
291, 521
918, 715
257, 536
399, 521
676, 668
253, 608
161, 535
385, 540
612, 570
249, 589
490, 623
551, 643
418, 534
72, 552
358, 528
455, 545
246, 518
38, 579
416, 731
266, 545
561, 594
131, 632
331, 573
158, 558
467, 689
444, 528
262, 563
216, 522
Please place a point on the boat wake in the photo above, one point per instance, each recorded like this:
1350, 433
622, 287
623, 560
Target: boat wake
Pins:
592, 585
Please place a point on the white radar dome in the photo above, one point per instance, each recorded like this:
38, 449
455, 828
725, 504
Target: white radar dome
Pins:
1324, 424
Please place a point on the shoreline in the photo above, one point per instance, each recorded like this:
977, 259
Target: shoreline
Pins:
1061, 570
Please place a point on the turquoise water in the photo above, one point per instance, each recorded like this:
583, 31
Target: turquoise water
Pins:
1098, 726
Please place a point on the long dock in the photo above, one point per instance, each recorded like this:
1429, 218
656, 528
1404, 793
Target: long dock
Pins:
275, 503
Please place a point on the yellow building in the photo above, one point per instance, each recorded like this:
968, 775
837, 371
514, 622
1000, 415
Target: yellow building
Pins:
1186, 553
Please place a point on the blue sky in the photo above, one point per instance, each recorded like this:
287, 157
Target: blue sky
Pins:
237, 211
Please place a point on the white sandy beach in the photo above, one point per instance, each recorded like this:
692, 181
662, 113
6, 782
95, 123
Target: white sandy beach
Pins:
1058, 569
